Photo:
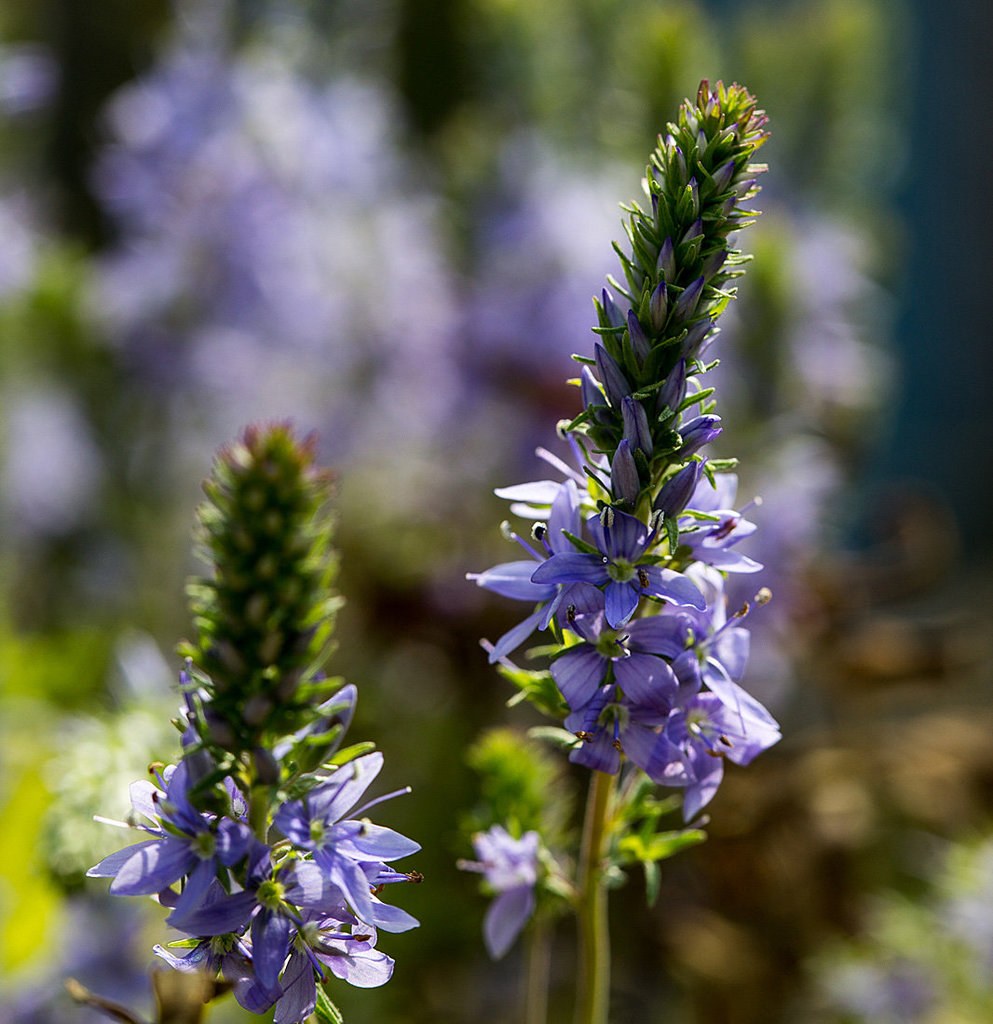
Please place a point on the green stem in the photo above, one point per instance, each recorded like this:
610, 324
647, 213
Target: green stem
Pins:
539, 954
593, 968
258, 811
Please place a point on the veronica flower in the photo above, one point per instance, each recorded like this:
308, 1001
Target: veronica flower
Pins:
634, 653
514, 579
611, 725
338, 943
710, 541
228, 955
714, 648
700, 735
268, 904
622, 567
510, 867
187, 843
348, 851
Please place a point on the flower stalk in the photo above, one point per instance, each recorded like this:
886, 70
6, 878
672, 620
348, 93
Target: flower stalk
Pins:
593, 966
627, 562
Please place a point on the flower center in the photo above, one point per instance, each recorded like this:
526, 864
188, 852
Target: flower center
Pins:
621, 570
270, 894
609, 643
221, 944
317, 831
204, 845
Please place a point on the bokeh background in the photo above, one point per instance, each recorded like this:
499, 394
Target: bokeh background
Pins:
385, 219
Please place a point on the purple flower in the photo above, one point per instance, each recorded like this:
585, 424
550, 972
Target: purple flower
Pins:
350, 852
633, 652
712, 541
187, 844
288, 909
621, 566
696, 433
336, 942
699, 736
514, 579
268, 904
610, 725
714, 649
510, 867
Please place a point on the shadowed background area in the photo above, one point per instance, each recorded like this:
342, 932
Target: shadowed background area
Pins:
385, 220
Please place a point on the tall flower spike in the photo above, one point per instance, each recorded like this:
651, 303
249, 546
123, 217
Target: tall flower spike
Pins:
678, 272
265, 612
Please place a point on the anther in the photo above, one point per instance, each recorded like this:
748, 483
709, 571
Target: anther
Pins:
726, 528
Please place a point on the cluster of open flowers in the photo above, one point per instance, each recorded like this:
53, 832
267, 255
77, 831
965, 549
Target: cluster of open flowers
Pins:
277, 918
651, 660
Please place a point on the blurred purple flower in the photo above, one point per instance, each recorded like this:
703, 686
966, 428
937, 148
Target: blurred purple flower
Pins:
510, 867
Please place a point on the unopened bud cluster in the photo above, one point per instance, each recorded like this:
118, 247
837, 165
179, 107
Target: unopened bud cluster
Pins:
265, 612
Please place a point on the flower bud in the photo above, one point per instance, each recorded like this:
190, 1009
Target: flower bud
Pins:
624, 480
687, 302
636, 429
697, 433
614, 382
713, 263
640, 342
678, 489
666, 262
592, 397
673, 391
615, 318
722, 176
659, 306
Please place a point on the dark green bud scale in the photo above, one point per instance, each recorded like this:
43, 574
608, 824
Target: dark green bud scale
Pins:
265, 612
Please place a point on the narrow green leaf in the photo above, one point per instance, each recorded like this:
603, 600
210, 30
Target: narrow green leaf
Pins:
326, 1011
352, 752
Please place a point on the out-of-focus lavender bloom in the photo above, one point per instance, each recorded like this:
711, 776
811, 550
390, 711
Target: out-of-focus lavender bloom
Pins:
273, 243
51, 469
514, 301
110, 961
968, 911
884, 993
28, 77
19, 252
510, 868
838, 306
